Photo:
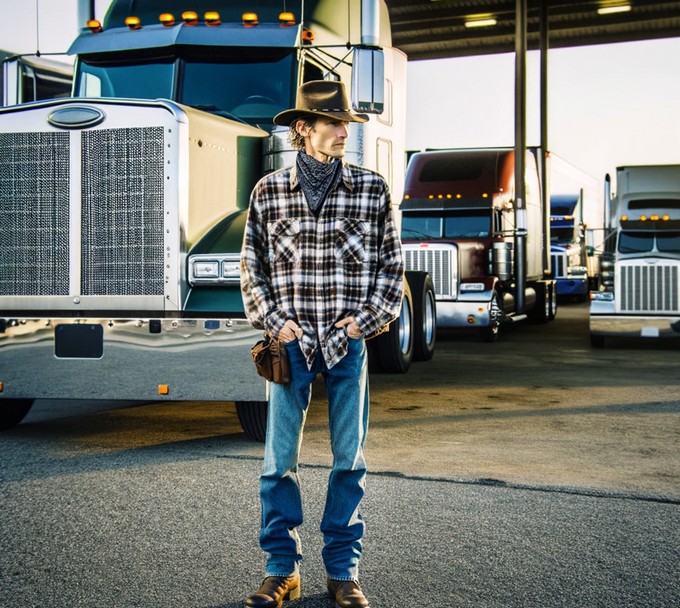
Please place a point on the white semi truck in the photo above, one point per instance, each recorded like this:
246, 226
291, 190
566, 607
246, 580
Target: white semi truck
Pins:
640, 266
122, 208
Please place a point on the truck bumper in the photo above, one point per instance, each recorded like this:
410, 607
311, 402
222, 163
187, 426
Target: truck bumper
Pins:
140, 359
571, 287
463, 314
603, 323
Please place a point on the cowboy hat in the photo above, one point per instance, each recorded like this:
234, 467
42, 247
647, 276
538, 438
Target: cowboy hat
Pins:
320, 98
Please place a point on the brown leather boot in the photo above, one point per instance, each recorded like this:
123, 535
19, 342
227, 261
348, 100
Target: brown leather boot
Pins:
274, 590
347, 594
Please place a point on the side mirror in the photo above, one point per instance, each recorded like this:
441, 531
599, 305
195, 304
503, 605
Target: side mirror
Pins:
368, 81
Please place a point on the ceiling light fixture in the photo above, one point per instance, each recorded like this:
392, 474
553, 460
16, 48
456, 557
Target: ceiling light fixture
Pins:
615, 8
485, 20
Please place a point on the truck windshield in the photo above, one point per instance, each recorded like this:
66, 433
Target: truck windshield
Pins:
251, 87
446, 225
645, 242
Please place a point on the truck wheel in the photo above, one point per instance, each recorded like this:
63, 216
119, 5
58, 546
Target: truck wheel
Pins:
596, 341
395, 346
13, 411
253, 418
552, 288
424, 315
540, 313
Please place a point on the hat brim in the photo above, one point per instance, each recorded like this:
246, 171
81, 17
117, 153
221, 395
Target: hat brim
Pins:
286, 117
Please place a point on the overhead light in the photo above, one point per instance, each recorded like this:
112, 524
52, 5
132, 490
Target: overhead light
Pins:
484, 20
614, 8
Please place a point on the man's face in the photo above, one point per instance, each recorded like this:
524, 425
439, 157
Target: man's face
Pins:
326, 139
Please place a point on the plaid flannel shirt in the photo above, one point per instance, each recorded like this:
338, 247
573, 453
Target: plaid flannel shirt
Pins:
347, 262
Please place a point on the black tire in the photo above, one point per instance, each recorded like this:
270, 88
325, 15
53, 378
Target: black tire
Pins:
253, 418
596, 341
13, 411
540, 313
552, 289
424, 315
394, 347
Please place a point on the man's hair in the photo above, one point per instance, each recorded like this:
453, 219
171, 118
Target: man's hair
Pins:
296, 140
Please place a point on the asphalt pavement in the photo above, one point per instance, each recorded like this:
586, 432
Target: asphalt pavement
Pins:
176, 526
531, 473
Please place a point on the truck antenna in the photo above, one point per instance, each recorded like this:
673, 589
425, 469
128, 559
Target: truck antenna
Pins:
37, 28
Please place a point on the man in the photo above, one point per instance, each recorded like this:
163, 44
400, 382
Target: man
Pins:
321, 269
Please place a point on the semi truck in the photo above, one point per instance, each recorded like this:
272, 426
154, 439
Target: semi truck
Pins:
568, 246
640, 292
122, 208
26, 78
460, 225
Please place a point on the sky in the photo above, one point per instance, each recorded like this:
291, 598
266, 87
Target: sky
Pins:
609, 105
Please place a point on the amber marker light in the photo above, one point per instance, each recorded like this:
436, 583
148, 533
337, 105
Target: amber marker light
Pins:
167, 19
666, 217
94, 26
212, 18
190, 18
624, 218
250, 19
643, 218
163, 389
134, 23
307, 36
286, 19
2, 386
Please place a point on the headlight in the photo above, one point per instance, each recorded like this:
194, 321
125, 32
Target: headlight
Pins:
218, 269
602, 296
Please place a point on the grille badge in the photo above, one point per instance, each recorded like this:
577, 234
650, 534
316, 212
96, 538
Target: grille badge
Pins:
76, 117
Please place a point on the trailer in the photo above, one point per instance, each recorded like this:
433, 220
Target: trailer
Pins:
640, 293
122, 208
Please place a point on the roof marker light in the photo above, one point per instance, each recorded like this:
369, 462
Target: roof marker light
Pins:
167, 19
307, 36
286, 18
250, 19
666, 217
212, 18
94, 26
134, 23
190, 18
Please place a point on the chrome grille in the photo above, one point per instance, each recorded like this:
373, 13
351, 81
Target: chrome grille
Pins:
439, 263
649, 288
34, 214
122, 212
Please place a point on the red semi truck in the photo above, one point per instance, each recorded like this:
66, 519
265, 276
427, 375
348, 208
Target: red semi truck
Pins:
460, 224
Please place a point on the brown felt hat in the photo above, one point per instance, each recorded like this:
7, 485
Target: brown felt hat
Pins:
320, 98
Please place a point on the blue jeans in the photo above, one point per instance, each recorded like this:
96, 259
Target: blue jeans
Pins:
342, 525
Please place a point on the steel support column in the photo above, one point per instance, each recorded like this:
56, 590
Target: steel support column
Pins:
520, 152
545, 176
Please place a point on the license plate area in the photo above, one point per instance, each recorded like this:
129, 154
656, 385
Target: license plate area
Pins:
81, 341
